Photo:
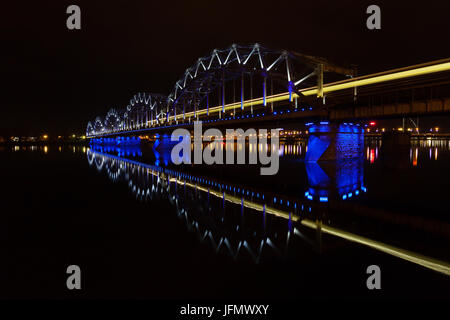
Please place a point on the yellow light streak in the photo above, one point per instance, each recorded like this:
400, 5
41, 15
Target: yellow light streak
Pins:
391, 75
237, 200
427, 262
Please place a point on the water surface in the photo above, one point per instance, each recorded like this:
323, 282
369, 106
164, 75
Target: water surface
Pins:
141, 227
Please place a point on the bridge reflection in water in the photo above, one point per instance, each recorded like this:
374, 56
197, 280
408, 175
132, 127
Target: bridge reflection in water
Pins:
336, 179
244, 222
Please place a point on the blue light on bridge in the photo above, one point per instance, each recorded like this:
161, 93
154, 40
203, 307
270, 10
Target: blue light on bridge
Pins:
117, 141
334, 180
291, 88
334, 141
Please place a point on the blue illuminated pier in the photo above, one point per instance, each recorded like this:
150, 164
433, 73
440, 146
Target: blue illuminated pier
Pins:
334, 141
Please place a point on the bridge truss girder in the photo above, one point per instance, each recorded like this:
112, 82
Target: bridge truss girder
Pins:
291, 70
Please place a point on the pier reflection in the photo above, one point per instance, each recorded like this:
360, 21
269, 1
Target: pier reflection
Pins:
247, 223
335, 180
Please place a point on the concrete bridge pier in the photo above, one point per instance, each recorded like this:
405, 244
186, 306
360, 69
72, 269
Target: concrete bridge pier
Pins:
334, 141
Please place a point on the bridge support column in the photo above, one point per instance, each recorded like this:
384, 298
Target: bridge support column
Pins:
336, 141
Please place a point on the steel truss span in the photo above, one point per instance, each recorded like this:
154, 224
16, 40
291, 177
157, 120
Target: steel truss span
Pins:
143, 110
231, 75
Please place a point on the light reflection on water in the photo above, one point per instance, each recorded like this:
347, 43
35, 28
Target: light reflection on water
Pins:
317, 197
419, 148
47, 148
275, 221
149, 218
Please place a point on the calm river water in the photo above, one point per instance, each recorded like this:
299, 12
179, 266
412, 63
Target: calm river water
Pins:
141, 227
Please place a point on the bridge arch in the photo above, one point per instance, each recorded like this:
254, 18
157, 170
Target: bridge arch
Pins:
90, 129
98, 125
113, 121
272, 70
144, 110
237, 73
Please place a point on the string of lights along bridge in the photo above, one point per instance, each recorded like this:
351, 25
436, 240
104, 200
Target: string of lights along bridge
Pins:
223, 85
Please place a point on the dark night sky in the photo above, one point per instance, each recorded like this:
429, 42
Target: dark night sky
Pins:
55, 80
